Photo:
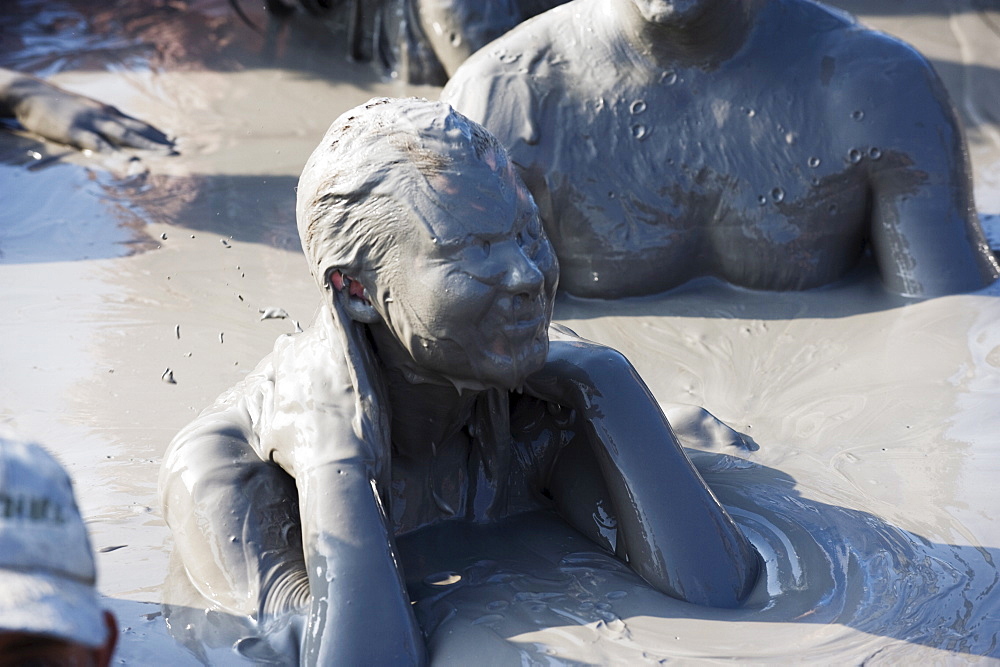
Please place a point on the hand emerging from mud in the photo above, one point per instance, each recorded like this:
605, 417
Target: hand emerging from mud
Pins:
75, 120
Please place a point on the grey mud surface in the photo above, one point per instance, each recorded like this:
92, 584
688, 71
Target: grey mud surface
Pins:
872, 494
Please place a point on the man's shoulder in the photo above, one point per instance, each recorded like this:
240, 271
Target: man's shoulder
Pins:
513, 54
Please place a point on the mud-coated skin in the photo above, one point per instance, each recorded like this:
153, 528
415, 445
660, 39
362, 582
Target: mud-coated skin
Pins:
422, 41
427, 390
765, 142
75, 120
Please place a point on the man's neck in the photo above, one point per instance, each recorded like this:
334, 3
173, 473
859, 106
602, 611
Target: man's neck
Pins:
702, 38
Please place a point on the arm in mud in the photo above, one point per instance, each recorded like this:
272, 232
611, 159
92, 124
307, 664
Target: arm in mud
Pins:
670, 527
75, 120
247, 527
233, 516
359, 609
360, 612
925, 234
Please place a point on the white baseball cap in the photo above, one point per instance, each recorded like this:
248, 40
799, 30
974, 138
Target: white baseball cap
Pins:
47, 571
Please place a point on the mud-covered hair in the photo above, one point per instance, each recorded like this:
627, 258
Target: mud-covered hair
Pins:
360, 184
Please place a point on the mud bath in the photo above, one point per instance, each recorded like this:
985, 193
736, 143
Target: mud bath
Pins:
872, 494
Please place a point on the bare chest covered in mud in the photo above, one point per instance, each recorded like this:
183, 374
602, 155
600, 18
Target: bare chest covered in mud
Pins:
665, 185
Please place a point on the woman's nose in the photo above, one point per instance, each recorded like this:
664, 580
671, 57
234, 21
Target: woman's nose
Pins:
522, 275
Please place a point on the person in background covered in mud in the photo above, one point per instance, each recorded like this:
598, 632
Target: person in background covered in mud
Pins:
75, 120
421, 41
50, 611
764, 142
431, 387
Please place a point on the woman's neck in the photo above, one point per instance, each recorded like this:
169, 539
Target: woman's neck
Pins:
426, 410
704, 37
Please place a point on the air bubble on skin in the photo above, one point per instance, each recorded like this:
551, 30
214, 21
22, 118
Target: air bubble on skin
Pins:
669, 77
854, 156
639, 132
874, 153
488, 618
455, 39
761, 200
858, 114
814, 162
778, 195
749, 112
637, 107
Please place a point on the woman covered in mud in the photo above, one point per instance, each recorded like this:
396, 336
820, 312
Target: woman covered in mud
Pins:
432, 386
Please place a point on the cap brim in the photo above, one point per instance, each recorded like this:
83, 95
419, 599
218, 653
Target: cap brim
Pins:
44, 604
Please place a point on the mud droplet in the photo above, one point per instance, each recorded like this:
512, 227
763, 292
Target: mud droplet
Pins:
778, 195
639, 132
669, 77
858, 114
854, 156
874, 153
637, 107
814, 162
272, 313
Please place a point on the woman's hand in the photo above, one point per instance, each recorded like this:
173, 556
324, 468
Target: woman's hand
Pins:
575, 368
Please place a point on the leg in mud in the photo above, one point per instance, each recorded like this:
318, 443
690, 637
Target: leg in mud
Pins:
235, 521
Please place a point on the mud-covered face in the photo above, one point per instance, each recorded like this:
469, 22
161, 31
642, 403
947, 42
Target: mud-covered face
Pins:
665, 11
471, 295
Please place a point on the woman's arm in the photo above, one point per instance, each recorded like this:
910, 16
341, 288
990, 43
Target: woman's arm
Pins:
325, 421
671, 528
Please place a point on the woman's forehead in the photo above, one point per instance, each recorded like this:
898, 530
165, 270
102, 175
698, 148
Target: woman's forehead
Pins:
472, 201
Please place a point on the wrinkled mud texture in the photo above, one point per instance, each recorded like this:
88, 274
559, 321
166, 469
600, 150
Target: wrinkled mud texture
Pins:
866, 477
764, 142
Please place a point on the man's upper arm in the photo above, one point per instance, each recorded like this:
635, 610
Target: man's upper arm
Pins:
924, 234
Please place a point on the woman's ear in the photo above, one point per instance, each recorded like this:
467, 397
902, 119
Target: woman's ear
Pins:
352, 297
